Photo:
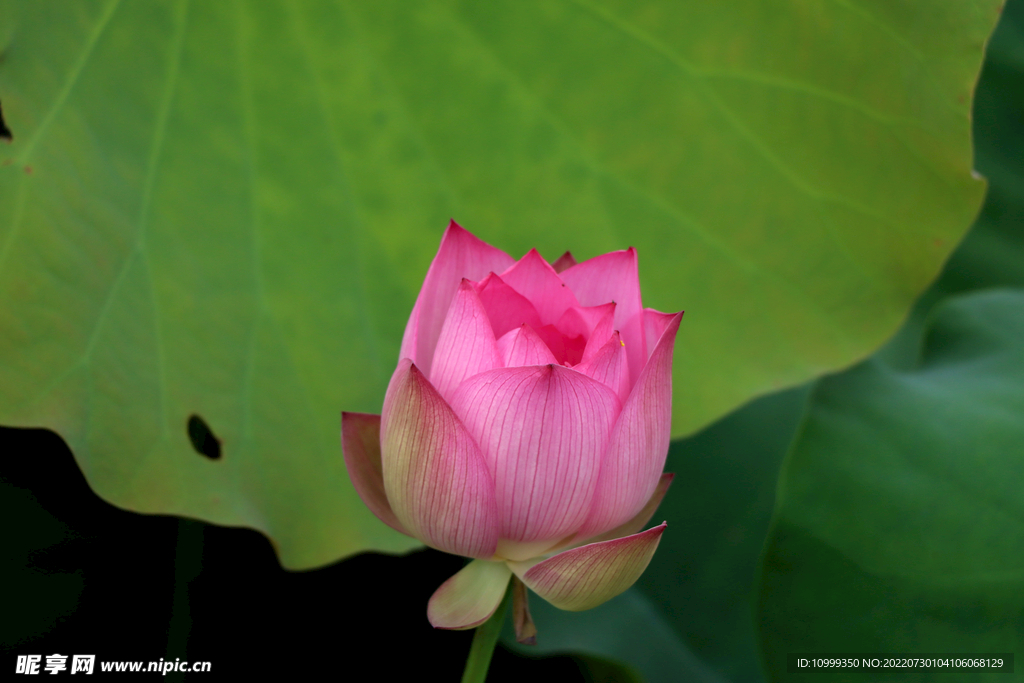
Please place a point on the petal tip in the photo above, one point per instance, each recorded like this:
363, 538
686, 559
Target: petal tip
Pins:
585, 577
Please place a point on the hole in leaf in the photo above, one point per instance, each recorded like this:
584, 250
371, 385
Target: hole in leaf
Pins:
5, 132
202, 438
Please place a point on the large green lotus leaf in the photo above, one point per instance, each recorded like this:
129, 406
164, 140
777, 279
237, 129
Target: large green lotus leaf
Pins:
992, 253
226, 209
900, 516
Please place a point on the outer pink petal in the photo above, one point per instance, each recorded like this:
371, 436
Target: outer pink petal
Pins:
522, 346
532, 277
655, 324
434, 475
461, 255
641, 518
466, 346
614, 277
506, 308
585, 577
635, 457
608, 367
360, 444
470, 597
564, 261
542, 430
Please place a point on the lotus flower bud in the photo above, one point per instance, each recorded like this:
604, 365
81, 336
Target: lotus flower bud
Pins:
526, 426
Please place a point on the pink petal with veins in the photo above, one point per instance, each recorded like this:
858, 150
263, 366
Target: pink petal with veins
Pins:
466, 346
635, 458
532, 277
434, 474
641, 518
461, 255
614, 277
360, 444
655, 324
540, 428
506, 308
608, 366
522, 346
603, 330
585, 577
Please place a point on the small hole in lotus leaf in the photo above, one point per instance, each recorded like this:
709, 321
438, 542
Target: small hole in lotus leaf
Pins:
5, 132
202, 438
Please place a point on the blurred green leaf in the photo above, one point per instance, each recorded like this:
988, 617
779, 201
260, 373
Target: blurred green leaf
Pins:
718, 510
600, 670
627, 629
226, 209
900, 518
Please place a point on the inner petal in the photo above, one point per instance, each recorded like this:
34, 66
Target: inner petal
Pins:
523, 346
506, 308
532, 277
567, 350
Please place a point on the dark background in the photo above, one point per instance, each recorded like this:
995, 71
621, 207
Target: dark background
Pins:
85, 577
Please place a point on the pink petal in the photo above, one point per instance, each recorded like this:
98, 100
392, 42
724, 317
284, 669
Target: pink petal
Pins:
542, 430
640, 520
434, 474
360, 444
635, 458
567, 351
564, 261
573, 324
585, 577
470, 597
608, 367
461, 255
522, 346
532, 277
466, 346
574, 347
594, 316
577, 325
655, 324
506, 308
614, 277
604, 328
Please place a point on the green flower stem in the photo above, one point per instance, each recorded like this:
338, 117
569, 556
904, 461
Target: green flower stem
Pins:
484, 640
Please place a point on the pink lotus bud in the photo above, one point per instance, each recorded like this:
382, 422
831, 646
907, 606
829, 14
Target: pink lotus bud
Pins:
529, 414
